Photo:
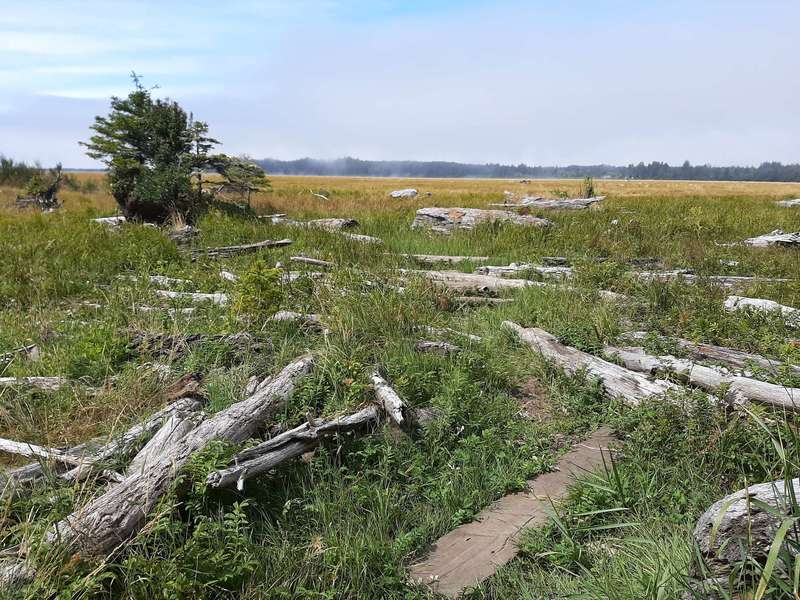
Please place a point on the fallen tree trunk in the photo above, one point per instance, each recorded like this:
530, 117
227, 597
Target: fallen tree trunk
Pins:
31, 352
736, 528
475, 300
49, 384
311, 261
446, 330
115, 516
391, 402
358, 237
160, 344
217, 298
29, 450
443, 348
774, 238
463, 282
516, 268
226, 251
791, 314
710, 379
291, 444
468, 218
688, 277
730, 357
562, 203
311, 321
617, 381
432, 259
788, 203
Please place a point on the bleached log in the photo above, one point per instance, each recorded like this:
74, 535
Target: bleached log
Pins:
462, 282
31, 352
475, 300
564, 203
710, 379
730, 357
443, 331
14, 573
432, 259
788, 203
689, 277
228, 276
792, 315
177, 426
170, 311
357, 237
160, 344
217, 298
443, 348
49, 384
291, 444
516, 268
774, 238
226, 251
469, 218
311, 261
394, 406
617, 381
310, 320
158, 280
409, 193
29, 450
110, 221
737, 527
116, 515
333, 224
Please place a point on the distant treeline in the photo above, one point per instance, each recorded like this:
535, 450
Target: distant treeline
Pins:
768, 171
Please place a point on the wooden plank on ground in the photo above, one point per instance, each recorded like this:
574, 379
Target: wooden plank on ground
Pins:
474, 551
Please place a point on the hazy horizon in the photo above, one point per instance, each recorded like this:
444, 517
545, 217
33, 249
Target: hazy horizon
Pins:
477, 82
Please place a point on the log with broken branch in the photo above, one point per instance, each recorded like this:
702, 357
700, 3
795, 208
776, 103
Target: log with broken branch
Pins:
617, 381
737, 389
225, 251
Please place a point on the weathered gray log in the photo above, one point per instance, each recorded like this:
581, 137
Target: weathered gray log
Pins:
29, 450
788, 203
217, 298
333, 224
737, 389
358, 237
311, 261
443, 348
113, 222
161, 344
291, 444
517, 268
477, 300
443, 331
158, 280
469, 218
792, 315
311, 321
409, 193
736, 528
774, 238
183, 235
392, 404
225, 251
463, 282
31, 352
228, 276
617, 381
177, 426
689, 277
730, 357
432, 259
49, 384
188, 310
115, 516
562, 203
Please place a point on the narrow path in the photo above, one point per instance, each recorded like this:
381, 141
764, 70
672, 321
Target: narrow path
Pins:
474, 551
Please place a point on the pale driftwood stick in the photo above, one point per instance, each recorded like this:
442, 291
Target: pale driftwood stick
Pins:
462, 282
217, 298
170, 311
515, 268
228, 276
710, 379
29, 450
312, 321
565, 203
224, 251
392, 404
432, 259
443, 348
730, 357
110, 221
158, 280
115, 516
447, 219
311, 261
774, 238
31, 352
446, 330
333, 224
688, 277
291, 444
617, 381
358, 237
788, 203
466, 300
792, 315
49, 384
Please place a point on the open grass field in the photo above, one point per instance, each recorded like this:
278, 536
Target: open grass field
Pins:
348, 520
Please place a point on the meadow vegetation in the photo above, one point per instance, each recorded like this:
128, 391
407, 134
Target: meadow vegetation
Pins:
347, 521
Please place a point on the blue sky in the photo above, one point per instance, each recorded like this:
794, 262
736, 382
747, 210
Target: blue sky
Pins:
503, 81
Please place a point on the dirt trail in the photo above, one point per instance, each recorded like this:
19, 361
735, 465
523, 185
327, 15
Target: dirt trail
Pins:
474, 551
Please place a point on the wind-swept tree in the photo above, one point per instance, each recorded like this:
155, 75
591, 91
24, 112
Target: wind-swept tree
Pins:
156, 155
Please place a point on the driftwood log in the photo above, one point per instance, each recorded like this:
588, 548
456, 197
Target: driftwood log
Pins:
792, 315
517, 268
216, 298
30, 352
160, 344
409, 193
471, 282
710, 379
788, 203
226, 251
316, 262
443, 348
49, 384
444, 331
468, 218
115, 516
480, 300
774, 238
737, 527
617, 381
558, 203
358, 237
432, 259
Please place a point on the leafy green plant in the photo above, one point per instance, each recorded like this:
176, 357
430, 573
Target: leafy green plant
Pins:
259, 292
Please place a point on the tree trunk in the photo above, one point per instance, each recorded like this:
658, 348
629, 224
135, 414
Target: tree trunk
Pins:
468, 218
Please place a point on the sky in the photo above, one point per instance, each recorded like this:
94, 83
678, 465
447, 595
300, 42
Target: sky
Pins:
539, 82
